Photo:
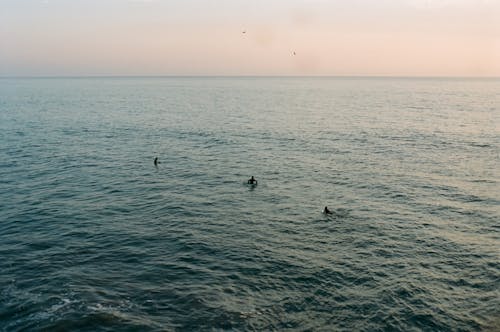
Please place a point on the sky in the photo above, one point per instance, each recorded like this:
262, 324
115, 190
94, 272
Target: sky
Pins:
251, 37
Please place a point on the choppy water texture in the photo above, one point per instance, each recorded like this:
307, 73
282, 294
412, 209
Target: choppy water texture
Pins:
93, 237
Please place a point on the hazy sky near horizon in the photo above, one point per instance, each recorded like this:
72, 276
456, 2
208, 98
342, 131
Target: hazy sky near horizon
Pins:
201, 37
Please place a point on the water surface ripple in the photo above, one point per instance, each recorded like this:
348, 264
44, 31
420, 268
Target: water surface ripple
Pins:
93, 237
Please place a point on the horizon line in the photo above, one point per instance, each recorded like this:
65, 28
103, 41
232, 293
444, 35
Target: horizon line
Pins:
245, 76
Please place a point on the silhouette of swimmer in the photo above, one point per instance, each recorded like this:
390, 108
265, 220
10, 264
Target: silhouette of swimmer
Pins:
156, 162
252, 180
326, 211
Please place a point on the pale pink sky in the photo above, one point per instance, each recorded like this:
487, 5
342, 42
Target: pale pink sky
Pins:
201, 37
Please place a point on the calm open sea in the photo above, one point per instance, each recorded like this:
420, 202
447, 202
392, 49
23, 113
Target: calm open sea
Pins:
94, 237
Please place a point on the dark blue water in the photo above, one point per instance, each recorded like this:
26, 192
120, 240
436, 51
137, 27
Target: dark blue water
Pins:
94, 237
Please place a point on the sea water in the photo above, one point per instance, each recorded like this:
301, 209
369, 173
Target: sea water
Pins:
94, 237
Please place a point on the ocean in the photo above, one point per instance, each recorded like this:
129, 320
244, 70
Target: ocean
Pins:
95, 237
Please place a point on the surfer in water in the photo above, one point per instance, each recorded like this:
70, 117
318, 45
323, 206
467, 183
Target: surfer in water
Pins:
326, 211
156, 162
252, 180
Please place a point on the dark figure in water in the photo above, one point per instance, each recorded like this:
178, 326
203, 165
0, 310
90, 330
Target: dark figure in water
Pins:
252, 180
156, 161
326, 211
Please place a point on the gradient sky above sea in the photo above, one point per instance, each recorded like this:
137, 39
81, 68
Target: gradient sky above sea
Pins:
200, 37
